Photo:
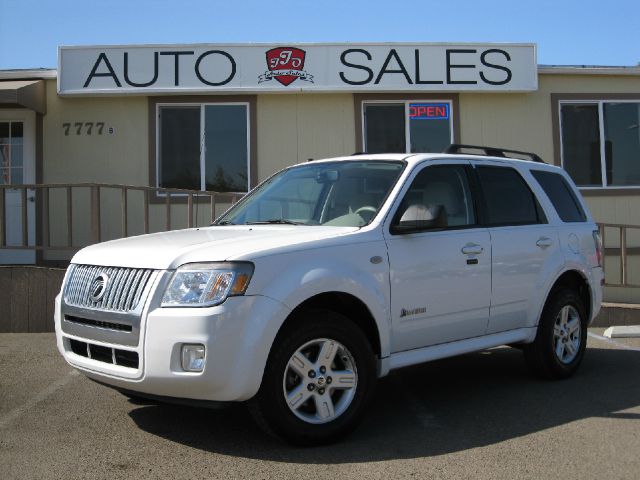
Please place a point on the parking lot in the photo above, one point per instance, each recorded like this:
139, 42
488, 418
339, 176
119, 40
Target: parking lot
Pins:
477, 416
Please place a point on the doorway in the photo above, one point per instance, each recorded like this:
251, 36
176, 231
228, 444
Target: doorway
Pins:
17, 167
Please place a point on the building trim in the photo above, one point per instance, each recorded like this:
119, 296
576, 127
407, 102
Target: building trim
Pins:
29, 94
39, 200
587, 70
29, 74
610, 192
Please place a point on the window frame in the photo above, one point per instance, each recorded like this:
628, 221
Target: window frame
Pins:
196, 100
599, 100
202, 106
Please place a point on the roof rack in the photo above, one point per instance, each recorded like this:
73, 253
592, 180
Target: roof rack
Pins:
491, 151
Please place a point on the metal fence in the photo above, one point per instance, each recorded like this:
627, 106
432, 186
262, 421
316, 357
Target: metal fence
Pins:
32, 218
621, 241
31, 209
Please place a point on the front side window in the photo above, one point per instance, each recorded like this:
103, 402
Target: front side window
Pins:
407, 127
508, 199
343, 194
204, 147
601, 142
444, 187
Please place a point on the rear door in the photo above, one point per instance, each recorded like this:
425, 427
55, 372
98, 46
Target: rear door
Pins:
440, 278
525, 247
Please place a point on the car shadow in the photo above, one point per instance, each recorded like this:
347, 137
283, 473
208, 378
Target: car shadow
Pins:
428, 410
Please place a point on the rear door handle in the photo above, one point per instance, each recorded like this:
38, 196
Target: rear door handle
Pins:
544, 242
472, 249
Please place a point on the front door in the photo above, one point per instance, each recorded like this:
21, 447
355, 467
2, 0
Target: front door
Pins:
440, 278
17, 167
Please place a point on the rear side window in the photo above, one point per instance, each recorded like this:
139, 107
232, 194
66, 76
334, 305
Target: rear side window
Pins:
509, 201
561, 195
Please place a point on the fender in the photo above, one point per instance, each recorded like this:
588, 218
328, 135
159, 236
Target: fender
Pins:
553, 267
567, 267
292, 278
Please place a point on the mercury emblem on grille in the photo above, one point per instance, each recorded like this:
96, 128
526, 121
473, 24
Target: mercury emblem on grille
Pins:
98, 287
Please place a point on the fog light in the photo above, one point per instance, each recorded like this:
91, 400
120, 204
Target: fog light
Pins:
193, 358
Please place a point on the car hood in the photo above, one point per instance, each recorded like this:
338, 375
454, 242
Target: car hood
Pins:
168, 250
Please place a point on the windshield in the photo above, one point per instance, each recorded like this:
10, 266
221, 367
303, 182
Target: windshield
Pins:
345, 194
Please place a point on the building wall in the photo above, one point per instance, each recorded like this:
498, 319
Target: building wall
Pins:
120, 157
291, 128
295, 128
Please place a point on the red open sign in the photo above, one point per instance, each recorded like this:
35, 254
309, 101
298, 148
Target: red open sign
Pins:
428, 111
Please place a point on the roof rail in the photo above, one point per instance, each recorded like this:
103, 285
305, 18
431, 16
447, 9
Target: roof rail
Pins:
491, 151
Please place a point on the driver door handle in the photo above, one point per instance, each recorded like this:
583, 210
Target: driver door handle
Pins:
472, 249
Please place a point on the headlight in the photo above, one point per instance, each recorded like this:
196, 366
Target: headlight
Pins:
206, 284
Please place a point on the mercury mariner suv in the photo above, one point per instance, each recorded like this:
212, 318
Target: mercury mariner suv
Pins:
332, 273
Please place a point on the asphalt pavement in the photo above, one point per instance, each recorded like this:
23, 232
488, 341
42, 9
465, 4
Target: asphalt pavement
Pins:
476, 416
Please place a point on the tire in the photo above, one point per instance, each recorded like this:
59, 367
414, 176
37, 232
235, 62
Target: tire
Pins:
340, 389
561, 339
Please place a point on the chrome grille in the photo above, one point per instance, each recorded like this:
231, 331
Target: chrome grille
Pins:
122, 292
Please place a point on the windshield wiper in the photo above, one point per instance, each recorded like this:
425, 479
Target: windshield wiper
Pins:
224, 222
275, 221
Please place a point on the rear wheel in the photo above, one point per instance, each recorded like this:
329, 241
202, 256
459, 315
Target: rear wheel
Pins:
318, 379
561, 338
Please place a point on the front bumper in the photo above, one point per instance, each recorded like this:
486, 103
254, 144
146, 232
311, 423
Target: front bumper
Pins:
237, 336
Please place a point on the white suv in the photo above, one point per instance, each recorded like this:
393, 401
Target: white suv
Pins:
332, 273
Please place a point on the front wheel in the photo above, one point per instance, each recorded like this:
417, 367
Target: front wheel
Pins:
317, 381
561, 339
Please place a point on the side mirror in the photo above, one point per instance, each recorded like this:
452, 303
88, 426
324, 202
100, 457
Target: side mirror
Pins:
417, 218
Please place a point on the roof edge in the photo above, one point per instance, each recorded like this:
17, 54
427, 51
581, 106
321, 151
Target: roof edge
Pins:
29, 74
587, 70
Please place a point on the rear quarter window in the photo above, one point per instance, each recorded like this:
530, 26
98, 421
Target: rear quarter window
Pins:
561, 195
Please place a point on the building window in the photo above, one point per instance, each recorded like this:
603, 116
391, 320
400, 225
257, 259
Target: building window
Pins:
407, 126
11, 162
600, 142
204, 147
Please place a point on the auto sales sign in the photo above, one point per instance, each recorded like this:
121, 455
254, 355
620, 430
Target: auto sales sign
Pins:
254, 68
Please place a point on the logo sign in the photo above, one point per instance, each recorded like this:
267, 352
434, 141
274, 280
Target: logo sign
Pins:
98, 287
286, 66
429, 111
